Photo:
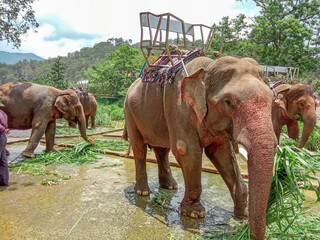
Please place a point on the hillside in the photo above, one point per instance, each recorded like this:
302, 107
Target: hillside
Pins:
75, 64
13, 58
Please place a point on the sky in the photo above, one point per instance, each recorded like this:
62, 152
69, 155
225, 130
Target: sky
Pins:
67, 26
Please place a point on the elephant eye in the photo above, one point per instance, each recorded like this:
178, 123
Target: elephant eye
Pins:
227, 101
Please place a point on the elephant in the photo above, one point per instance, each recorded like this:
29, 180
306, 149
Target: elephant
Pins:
221, 103
89, 104
30, 105
293, 100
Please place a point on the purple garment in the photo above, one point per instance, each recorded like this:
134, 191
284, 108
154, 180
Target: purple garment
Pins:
3, 121
4, 172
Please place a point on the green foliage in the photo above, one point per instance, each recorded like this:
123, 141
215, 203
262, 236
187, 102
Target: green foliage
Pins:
313, 143
82, 153
159, 198
115, 75
57, 75
294, 169
16, 18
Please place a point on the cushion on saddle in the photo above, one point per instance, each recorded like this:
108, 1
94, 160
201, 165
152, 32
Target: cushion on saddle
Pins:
162, 71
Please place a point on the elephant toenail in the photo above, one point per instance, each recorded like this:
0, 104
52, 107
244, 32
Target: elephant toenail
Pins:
202, 214
145, 193
170, 188
139, 192
194, 215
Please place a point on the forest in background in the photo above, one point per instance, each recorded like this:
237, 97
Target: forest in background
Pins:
286, 33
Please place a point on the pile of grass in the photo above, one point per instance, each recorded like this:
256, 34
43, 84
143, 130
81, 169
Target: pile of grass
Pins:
66, 130
294, 171
313, 143
37, 166
82, 153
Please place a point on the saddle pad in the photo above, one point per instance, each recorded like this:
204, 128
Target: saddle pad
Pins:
162, 71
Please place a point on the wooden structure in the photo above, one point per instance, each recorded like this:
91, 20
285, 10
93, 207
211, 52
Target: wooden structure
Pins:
289, 72
166, 32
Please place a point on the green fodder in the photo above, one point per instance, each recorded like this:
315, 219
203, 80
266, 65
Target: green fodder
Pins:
159, 198
313, 143
114, 145
80, 154
66, 130
294, 171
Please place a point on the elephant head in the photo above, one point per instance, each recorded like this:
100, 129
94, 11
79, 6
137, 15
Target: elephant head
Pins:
230, 101
293, 100
71, 109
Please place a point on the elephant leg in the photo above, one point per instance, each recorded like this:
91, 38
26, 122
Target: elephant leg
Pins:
50, 134
293, 130
189, 157
38, 129
93, 119
87, 121
139, 149
223, 157
165, 176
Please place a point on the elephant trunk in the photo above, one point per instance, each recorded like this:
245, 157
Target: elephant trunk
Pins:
257, 136
82, 123
260, 166
309, 121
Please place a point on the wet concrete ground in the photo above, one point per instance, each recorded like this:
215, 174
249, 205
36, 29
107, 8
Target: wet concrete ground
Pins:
104, 200
100, 202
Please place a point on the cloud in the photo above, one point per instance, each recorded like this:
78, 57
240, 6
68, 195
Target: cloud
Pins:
62, 30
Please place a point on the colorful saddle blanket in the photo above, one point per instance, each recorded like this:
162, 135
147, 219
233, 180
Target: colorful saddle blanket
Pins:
162, 71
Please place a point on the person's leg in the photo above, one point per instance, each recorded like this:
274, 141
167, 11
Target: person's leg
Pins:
4, 172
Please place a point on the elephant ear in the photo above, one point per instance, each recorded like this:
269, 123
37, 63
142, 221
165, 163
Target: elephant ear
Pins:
281, 100
193, 92
62, 103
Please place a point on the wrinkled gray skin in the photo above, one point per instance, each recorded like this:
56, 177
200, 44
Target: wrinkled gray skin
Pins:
293, 100
221, 103
30, 105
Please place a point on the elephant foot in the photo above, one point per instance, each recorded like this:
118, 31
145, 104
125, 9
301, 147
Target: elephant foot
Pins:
168, 182
27, 154
50, 150
194, 209
142, 189
241, 213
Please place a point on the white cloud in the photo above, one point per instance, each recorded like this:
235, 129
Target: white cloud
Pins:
104, 19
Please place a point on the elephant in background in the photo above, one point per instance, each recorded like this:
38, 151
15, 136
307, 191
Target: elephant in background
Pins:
223, 102
30, 105
293, 100
89, 104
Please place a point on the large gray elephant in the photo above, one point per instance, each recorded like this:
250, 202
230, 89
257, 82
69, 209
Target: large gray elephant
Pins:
221, 103
30, 105
293, 100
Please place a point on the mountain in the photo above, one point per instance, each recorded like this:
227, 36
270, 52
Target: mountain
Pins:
12, 58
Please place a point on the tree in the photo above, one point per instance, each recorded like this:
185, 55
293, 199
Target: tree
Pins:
287, 33
57, 74
235, 37
16, 18
114, 76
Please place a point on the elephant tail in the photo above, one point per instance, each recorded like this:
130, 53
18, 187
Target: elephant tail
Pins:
125, 133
